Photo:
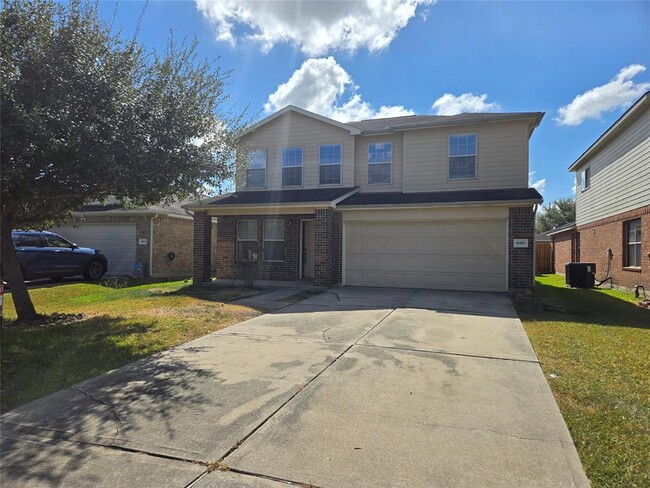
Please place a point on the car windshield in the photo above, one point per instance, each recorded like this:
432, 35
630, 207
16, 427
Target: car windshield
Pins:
57, 241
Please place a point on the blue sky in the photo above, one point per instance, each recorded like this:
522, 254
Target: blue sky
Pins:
347, 60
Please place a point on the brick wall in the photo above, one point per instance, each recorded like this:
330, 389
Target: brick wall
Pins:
172, 235
561, 250
596, 237
201, 259
521, 265
226, 250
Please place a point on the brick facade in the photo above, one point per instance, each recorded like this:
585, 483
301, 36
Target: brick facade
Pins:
202, 252
521, 264
596, 237
562, 250
327, 247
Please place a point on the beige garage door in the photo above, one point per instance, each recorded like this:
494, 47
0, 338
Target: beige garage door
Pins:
466, 255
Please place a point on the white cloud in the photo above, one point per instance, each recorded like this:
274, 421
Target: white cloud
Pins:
620, 92
539, 185
322, 86
316, 27
449, 104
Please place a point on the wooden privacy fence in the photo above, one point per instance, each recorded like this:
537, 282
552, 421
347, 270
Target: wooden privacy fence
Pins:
543, 257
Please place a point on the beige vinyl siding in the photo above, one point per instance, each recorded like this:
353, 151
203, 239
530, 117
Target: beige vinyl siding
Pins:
361, 166
502, 157
620, 175
293, 129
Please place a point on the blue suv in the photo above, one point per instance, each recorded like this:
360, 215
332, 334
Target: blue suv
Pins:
48, 255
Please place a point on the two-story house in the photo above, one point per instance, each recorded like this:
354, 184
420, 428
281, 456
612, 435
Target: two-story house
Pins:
613, 203
424, 201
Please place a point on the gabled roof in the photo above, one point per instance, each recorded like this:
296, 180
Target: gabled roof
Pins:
301, 111
635, 110
407, 122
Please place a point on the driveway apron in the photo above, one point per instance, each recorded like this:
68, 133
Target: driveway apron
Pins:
352, 387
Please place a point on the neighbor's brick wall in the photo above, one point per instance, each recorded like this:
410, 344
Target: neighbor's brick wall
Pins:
226, 250
596, 237
561, 250
521, 265
202, 259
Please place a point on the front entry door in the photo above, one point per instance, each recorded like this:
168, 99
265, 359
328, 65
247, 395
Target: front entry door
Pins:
308, 249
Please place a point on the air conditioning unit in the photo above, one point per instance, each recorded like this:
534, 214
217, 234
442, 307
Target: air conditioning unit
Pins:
580, 275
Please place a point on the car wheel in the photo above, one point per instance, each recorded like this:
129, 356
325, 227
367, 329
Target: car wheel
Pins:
94, 270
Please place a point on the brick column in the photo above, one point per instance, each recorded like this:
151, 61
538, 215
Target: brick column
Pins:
521, 265
201, 258
226, 251
323, 247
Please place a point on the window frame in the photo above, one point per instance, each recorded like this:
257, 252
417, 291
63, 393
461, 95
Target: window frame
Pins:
302, 166
265, 240
238, 239
449, 157
585, 179
390, 181
266, 165
339, 164
626, 243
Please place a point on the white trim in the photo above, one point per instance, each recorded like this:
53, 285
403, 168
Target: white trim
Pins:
266, 172
301, 111
238, 240
264, 239
343, 247
449, 156
340, 164
302, 167
401, 206
508, 253
335, 202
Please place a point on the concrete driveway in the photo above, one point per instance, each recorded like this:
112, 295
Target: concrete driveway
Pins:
352, 387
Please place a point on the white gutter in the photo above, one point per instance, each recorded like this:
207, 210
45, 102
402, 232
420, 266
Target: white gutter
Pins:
151, 244
440, 204
335, 202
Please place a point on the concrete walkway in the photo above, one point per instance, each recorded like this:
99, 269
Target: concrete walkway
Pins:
352, 387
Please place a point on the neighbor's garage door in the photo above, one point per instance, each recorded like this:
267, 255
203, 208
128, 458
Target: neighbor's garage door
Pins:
116, 241
466, 255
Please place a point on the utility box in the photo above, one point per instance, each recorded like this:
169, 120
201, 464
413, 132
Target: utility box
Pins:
580, 275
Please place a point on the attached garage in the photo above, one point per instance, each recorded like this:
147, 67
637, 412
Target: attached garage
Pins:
458, 253
117, 241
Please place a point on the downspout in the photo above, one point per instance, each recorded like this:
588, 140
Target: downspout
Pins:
535, 207
151, 244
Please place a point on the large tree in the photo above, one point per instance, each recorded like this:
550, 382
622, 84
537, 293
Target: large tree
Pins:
559, 212
87, 113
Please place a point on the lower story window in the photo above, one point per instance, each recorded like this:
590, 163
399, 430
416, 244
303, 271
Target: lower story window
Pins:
247, 244
274, 240
633, 243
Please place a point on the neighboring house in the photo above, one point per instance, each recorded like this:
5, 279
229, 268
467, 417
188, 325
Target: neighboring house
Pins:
418, 201
613, 199
144, 235
566, 246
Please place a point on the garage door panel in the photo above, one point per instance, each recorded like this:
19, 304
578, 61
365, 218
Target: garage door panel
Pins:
466, 255
116, 241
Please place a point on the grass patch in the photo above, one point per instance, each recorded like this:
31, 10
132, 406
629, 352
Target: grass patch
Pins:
596, 344
118, 326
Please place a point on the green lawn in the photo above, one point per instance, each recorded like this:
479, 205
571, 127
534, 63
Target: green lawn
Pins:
594, 347
119, 325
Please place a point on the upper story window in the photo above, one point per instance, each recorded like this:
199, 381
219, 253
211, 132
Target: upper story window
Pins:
462, 156
380, 161
256, 169
633, 243
329, 163
292, 166
586, 179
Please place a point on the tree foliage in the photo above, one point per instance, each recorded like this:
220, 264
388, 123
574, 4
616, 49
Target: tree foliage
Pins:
87, 113
559, 212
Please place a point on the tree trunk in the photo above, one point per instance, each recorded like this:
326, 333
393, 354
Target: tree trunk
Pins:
14, 275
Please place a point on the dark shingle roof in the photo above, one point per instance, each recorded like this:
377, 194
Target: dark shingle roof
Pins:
398, 198
415, 121
282, 196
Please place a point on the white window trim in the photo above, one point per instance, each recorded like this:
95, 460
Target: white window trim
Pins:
449, 156
340, 165
626, 229
264, 239
302, 168
585, 182
266, 173
369, 163
246, 240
